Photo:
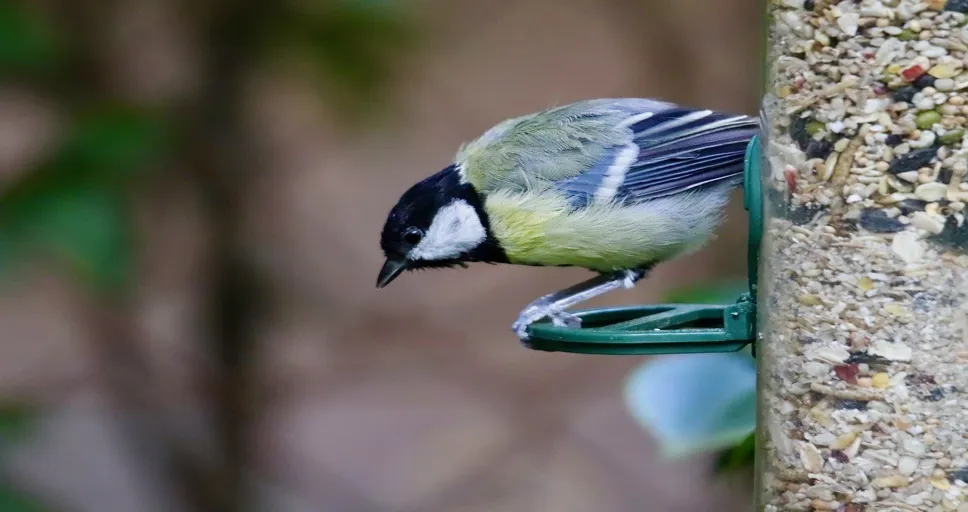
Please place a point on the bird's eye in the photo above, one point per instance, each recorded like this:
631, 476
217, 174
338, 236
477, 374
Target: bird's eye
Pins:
412, 236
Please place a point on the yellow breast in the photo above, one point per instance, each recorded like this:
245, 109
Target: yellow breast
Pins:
540, 228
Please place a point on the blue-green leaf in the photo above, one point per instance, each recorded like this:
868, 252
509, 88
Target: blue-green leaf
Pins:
694, 403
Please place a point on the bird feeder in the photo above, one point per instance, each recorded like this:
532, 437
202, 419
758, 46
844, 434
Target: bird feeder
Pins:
862, 382
670, 328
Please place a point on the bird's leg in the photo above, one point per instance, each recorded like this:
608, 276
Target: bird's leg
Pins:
553, 305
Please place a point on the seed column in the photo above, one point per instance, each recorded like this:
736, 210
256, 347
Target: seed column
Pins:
864, 273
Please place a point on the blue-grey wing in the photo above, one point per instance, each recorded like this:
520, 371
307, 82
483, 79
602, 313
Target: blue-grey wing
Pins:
669, 152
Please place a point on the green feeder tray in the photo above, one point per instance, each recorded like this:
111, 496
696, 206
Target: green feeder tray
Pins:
670, 328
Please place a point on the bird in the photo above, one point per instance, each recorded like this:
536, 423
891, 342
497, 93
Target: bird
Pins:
612, 185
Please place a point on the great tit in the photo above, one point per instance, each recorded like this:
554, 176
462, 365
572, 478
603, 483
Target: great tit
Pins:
611, 185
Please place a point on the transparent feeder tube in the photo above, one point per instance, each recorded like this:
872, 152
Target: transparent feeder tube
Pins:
864, 278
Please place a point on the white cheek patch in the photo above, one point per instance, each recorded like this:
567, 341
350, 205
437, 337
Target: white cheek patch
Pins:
455, 230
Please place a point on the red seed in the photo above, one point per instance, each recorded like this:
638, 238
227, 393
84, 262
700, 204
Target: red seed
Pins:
913, 73
839, 456
791, 179
847, 372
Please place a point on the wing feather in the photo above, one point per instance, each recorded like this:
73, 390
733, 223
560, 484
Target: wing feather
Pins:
675, 150
551, 146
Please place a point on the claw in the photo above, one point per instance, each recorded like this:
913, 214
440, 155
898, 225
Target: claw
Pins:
562, 319
538, 310
630, 278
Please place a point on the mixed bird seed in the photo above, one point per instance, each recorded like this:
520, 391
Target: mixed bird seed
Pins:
864, 352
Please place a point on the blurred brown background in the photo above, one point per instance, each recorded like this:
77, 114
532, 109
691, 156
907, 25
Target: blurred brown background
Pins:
412, 398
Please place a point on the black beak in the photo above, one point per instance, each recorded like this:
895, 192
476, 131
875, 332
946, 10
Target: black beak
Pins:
391, 269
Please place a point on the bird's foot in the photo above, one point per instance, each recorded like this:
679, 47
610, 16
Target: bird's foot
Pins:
539, 309
630, 278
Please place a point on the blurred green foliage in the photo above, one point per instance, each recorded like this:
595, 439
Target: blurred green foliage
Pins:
14, 500
351, 46
27, 43
716, 292
73, 209
738, 457
17, 420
